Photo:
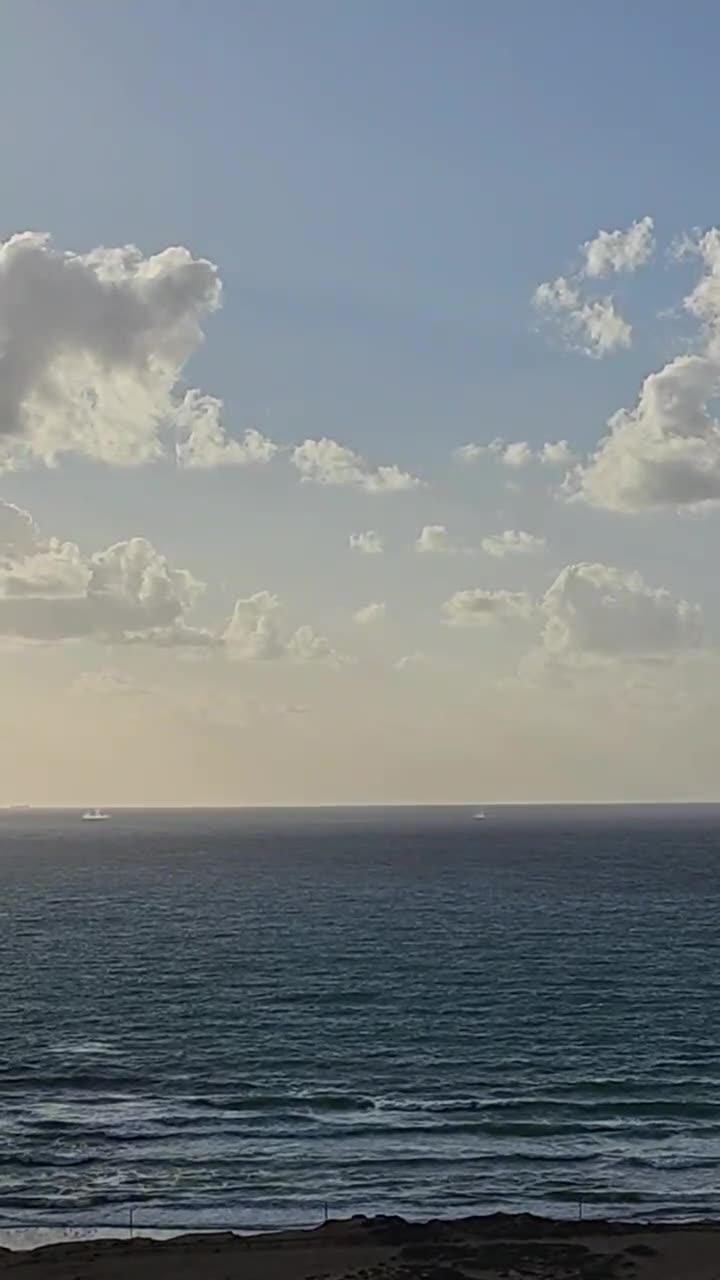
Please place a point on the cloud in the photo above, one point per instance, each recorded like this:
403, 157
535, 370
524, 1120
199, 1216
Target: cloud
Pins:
327, 462
253, 634
703, 302
435, 539
411, 661
93, 346
601, 611
557, 453
305, 645
128, 593
666, 451
370, 614
205, 443
594, 327
615, 251
369, 543
478, 607
512, 543
517, 453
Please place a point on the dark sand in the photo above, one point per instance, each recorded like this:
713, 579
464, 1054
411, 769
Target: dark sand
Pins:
515, 1248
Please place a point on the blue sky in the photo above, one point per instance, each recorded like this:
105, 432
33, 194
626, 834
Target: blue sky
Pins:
382, 188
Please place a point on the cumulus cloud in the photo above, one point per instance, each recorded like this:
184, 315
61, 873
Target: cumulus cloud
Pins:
594, 327
557, 453
601, 611
305, 645
369, 543
204, 443
370, 614
512, 542
93, 346
128, 593
254, 634
666, 451
517, 453
620, 250
478, 607
435, 539
327, 462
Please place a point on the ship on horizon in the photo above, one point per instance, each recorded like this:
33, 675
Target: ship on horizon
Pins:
95, 815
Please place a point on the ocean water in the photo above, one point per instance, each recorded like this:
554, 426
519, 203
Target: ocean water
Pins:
237, 1017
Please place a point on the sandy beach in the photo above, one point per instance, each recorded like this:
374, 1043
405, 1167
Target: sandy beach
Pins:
481, 1248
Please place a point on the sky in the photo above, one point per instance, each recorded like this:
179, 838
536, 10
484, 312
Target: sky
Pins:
359, 380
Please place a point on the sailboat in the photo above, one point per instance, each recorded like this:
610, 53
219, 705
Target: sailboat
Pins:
479, 815
95, 815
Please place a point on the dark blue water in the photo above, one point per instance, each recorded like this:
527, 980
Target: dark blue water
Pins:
235, 1017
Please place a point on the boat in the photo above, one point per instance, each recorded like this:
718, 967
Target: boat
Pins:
95, 815
479, 815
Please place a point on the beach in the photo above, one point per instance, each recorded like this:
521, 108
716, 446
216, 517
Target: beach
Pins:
521, 1247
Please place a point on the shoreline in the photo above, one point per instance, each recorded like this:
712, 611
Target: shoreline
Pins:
488, 1247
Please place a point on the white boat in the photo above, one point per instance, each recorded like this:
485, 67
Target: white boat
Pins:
479, 816
95, 815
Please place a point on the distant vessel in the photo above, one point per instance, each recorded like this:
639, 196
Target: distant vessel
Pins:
479, 815
95, 815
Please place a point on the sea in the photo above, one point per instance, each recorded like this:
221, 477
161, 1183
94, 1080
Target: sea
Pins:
252, 1019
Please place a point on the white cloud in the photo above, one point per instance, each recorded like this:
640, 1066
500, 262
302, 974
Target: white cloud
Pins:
666, 451
615, 251
435, 539
327, 462
471, 452
601, 611
305, 645
93, 346
253, 634
19, 535
512, 542
594, 327
205, 443
557, 453
472, 607
369, 543
128, 593
517, 453
370, 614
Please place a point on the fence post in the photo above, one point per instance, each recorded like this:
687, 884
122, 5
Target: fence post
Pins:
580, 1209
132, 1211
326, 1210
